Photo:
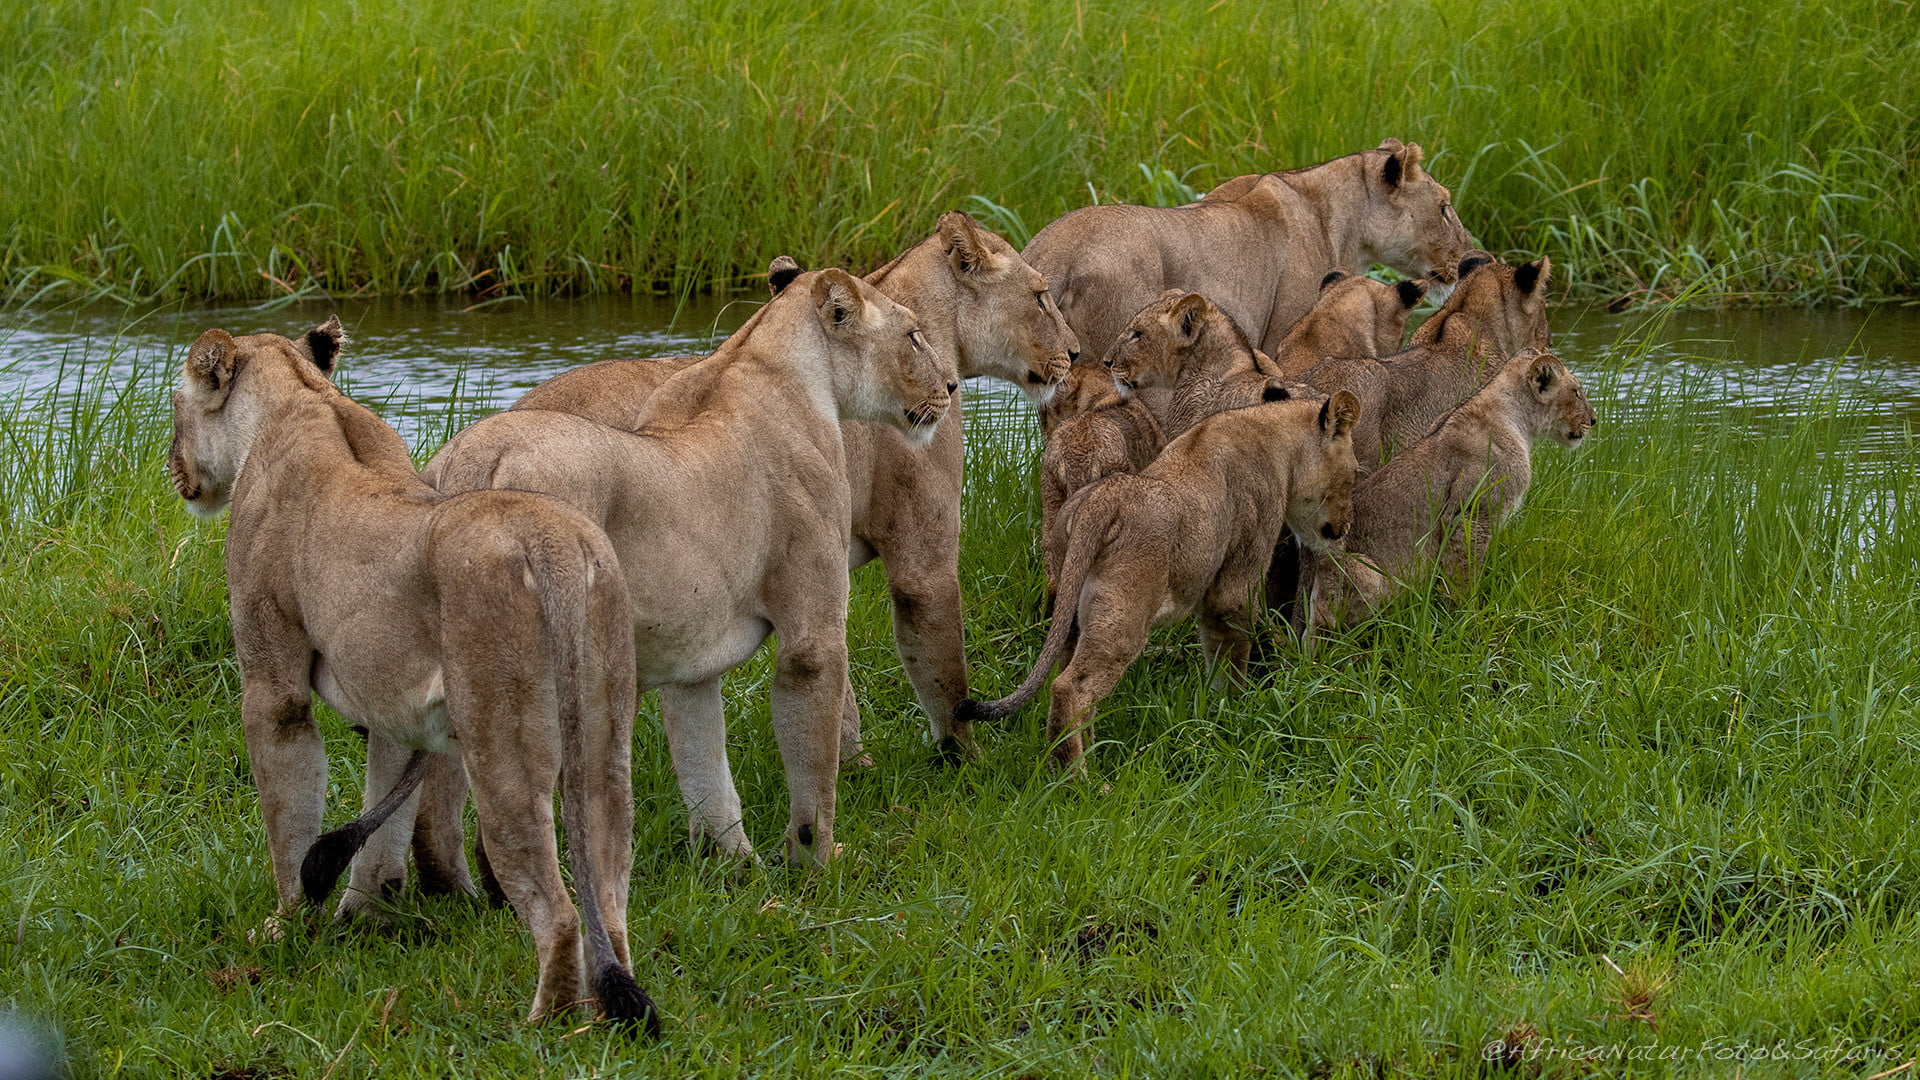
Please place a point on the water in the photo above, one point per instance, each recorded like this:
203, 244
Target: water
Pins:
414, 360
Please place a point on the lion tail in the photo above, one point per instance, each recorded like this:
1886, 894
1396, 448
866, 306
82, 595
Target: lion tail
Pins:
566, 605
1089, 526
327, 859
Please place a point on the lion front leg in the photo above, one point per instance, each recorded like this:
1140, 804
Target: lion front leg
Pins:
928, 632
290, 771
809, 673
1226, 643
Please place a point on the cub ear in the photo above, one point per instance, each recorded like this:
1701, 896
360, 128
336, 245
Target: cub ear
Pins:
1531, 276
966, 243
781, 272
1472, 262
1169, 294
1339, 413
1276, 392
323, 343
1411, 292
1188, 316
208, 372
1333, 276
837, 299
1543, 371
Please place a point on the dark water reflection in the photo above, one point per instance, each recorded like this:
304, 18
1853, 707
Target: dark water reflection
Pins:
412, 359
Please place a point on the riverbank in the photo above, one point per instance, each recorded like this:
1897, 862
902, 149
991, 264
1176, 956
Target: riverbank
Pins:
1672, 734
224, 150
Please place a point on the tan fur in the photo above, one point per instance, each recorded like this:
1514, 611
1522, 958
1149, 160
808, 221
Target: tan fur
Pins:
1443, 496
494, 619
1355, 315
987, 313
1260, 253
730, 510
1180, 360
1488, 318
1189, 534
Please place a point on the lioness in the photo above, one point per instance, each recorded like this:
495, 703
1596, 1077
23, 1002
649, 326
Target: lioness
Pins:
1189, 533
1355, 315
1495, 311
984, 312
1257, 246
730, 510
491, 623
1441, 498
1180, 360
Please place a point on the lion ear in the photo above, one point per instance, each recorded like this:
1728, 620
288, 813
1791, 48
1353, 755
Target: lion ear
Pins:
323, 343
1333, 276
837, 299
1543, 372
208, 372
1472, 262
1411, 292
1531, 276
1339, 413
781, 272
965, 240
1401, 163
1188, 317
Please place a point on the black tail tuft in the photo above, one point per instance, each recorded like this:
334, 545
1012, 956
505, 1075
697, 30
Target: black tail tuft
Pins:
327, 859
967, 710
624, 1003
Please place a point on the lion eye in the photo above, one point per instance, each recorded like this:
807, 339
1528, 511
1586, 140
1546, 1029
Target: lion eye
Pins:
1040, 298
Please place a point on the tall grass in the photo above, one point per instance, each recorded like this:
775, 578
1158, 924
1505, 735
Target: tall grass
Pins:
1648, 784
227, 149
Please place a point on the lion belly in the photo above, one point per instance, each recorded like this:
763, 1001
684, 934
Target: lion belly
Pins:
405, 702
690, 651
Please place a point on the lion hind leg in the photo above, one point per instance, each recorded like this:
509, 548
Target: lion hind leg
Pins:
696, 726
1113, 634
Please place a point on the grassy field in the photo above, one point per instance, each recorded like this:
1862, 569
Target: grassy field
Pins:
244, 150
1645, 790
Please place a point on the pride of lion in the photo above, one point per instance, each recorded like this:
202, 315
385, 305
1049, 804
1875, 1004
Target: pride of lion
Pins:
1233, 431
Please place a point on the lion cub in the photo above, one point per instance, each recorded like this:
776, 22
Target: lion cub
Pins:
1191, 533
492, 624
1355, 315
1495, 311
1179, 361
1443, 496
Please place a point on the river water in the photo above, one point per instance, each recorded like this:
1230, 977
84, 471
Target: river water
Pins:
430, 366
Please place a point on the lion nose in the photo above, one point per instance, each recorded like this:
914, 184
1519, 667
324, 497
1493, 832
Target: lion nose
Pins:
952, 386
1331, 531
1073, 356
1108, 362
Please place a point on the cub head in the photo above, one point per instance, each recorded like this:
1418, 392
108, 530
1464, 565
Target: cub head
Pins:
1497, 306
227, 388
1409, 221
1179, 335
1005, 318
1320, 498
883, 369
1370, 313
1559, 402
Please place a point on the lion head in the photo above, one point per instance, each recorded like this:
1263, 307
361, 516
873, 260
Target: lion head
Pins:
1410, 223
227, 387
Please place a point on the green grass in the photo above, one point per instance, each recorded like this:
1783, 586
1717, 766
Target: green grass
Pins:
226, 149
1672, 731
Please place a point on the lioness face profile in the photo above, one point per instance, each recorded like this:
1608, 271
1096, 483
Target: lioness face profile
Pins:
1419, 227
1010, 328
896, 378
